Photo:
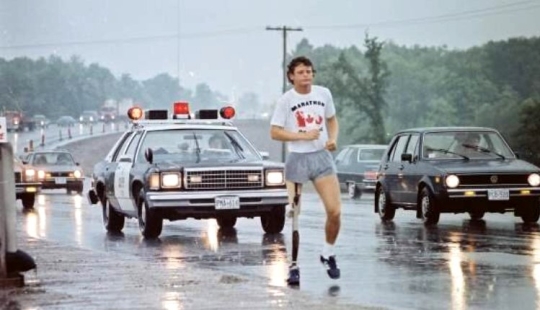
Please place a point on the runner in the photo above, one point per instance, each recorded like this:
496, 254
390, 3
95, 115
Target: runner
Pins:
305, 117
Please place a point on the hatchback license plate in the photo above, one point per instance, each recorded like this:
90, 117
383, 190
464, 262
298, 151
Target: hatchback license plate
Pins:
60, 180
227, 203
498, 194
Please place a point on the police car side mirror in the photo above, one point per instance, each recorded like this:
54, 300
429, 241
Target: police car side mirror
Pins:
149, 155
518, 155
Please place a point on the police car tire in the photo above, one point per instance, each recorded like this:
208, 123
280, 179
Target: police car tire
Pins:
226, 222
152, 224
113, 221
274, 221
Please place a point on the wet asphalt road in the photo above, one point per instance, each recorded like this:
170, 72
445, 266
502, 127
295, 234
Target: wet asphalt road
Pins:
460, 264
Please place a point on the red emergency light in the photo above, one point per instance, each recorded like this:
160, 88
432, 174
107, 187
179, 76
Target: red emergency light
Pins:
181, 108
227, 112
135, 113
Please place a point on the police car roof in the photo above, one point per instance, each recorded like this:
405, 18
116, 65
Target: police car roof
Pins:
156, 125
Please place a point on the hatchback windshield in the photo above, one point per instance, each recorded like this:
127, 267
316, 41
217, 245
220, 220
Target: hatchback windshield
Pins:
465, 145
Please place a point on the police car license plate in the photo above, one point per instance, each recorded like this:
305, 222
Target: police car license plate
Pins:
60, 180
227, 203
498, 194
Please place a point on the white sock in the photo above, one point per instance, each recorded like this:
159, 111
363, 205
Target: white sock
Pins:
328, 250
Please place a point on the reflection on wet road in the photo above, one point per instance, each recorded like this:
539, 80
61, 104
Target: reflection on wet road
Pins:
460, 264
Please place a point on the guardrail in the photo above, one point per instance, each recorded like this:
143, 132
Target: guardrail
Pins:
48, 137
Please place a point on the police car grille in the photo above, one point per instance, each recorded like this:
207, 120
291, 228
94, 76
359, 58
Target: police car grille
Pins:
18, 177
224, 179
493, 180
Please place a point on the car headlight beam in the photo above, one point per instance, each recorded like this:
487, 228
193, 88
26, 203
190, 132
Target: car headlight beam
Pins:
452, 181
30, 174
170, 180
275, 178
534, 179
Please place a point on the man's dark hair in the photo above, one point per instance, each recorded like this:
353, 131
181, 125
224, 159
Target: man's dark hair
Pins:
300, 60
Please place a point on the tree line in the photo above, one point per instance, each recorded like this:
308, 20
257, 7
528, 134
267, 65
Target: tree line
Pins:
379, 88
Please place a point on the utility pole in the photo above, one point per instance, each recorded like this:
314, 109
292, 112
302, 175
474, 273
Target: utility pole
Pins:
284, 30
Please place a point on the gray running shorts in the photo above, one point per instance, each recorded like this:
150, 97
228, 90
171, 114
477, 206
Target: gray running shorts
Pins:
303, 167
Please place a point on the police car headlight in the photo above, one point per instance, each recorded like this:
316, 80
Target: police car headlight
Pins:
30, 174
534, 179
77, 174
170, 180
452, 181
275, 178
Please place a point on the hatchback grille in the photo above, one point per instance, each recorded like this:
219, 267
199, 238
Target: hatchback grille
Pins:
494, 180
223, 179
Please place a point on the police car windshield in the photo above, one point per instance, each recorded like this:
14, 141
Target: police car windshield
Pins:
197, 146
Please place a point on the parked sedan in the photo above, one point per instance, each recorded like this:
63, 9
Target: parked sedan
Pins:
57, 169
455, 170
357, 167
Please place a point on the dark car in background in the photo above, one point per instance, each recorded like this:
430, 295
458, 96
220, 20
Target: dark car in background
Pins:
357, 166
41, 121
66, 121
89, 117
455, 170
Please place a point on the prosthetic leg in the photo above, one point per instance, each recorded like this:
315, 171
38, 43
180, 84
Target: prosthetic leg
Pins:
294, 270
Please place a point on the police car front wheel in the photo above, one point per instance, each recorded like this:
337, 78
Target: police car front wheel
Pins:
150, 223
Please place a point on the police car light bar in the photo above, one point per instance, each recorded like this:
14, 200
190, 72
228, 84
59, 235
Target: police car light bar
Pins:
181, 110
227, 112
135, 113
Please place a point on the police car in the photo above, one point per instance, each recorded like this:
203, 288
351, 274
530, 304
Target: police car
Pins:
193, 165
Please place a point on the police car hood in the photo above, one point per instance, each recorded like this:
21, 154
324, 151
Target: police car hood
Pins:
486, 166
224, 165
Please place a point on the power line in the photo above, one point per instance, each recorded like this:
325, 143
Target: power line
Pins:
494, 10
195, 35
463, 15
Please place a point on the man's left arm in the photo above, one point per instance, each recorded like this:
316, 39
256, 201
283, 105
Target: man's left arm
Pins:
333, 130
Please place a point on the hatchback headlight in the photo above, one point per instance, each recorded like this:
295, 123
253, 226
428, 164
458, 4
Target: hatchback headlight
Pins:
170, 180
30, 174
452, 181
534, 179
274, 178
77, 174
41, 174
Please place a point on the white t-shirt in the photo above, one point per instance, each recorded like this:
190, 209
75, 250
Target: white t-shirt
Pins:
304, 112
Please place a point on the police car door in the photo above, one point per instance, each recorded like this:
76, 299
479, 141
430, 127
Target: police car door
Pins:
122, 174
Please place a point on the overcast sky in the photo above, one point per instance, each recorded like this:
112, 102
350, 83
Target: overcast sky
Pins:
225, 44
